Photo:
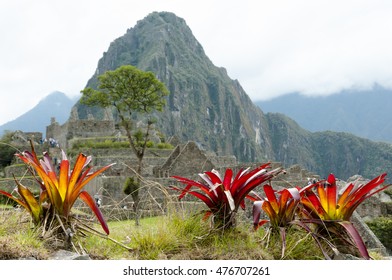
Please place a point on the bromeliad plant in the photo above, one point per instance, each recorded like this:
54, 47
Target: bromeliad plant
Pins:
225, 194
324, 207
58, 192
280, 207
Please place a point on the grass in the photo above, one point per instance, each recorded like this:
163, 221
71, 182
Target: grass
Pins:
172, 237
164, 237
18, 239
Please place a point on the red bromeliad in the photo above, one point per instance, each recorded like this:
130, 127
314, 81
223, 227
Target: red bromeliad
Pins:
280, 206
327, 209
224, 195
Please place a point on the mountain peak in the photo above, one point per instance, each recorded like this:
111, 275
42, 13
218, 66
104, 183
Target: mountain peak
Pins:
158, 18
55, 98
56, 104
55, 95
204, 104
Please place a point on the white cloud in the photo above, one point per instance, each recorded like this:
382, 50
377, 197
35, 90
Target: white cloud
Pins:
271, 47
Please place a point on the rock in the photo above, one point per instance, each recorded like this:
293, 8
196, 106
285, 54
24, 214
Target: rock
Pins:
344, 257
370, 239
28, 259
67, 255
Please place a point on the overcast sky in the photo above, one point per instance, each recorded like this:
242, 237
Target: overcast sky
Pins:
271, 47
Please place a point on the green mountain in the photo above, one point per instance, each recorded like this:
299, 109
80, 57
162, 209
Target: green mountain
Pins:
327, 152
364, 113
207, 106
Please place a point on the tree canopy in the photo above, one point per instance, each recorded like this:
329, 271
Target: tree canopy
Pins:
129, 89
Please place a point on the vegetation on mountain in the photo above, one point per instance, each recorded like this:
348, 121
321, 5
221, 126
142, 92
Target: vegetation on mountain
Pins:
382, 227
364, 113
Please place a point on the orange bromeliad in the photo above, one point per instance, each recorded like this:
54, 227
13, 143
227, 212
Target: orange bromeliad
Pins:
60, 191
326, 204
324, 207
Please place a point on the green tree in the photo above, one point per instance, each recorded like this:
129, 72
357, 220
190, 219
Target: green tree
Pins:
130, 90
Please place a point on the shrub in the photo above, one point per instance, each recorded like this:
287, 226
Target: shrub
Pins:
130, 186
382, 228
164, 146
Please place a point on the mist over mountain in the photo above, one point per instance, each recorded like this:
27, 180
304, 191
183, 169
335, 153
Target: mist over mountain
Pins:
56, 104
205, 105
363, 113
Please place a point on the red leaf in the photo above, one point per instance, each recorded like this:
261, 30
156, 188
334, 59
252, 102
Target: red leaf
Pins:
228, 178
202, 187
85, 196
213, 177
364, 190
353, 233
343, 198
257, 207
184, 191
331, 196
311, 200
20, 202
270, 194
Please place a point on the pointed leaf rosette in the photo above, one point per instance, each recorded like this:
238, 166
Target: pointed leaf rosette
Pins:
60, 190
223, 195
323, 205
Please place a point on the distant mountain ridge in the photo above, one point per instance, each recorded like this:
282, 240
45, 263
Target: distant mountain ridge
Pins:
363, 113
56, 104
205, 105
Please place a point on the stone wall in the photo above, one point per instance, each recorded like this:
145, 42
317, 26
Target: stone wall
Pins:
90, 128
186, 160
75, 128
57, 132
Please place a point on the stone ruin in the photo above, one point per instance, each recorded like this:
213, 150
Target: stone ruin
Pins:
187, 160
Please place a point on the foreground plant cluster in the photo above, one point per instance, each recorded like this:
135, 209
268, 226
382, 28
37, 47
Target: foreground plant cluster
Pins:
294, 216
317, 208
